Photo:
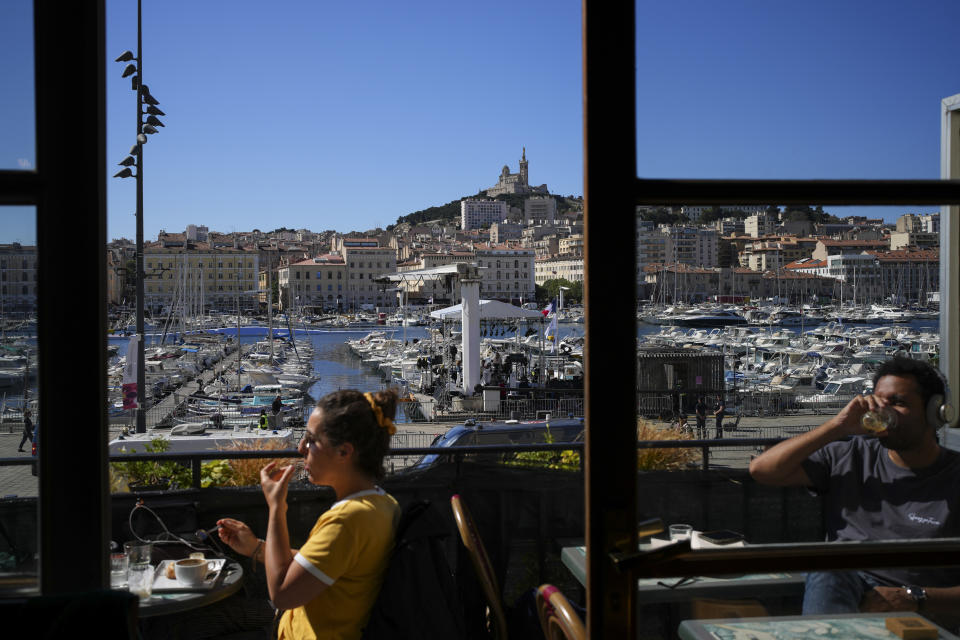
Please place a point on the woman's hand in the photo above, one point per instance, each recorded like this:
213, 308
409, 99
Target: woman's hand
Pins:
274, 482
238, 536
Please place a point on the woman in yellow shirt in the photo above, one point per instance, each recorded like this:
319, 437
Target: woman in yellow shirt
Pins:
327, 588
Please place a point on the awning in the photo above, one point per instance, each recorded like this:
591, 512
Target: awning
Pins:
489, 309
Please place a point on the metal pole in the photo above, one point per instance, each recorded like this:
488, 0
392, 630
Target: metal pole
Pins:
141, 374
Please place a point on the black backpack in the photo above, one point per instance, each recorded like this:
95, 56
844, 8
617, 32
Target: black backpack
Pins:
419, 597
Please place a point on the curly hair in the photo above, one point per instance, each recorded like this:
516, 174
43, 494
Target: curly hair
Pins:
348, 417
928, 380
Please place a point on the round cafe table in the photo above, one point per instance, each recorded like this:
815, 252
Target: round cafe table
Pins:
161, 604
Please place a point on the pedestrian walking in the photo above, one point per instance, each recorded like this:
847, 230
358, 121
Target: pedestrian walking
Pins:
27, 430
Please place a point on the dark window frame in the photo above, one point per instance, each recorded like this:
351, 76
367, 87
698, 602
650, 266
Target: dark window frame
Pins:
611, 186
69, 178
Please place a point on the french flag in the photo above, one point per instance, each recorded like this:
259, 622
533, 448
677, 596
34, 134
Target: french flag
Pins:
550, 308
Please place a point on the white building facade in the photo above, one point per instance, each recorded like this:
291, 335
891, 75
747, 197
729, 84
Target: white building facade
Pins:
570, 269
476, 214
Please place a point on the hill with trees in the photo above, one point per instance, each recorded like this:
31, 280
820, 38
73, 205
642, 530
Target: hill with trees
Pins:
450, 212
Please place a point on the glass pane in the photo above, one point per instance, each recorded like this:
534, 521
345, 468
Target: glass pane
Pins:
761, 325
17, 131
796, 90
18, 396
769, 308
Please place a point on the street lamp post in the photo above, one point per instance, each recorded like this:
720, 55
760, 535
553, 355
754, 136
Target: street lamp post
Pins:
135, 159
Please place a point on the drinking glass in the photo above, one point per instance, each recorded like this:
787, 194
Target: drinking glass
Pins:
680, 532
138, 552
118, 570
879, 420
140, 579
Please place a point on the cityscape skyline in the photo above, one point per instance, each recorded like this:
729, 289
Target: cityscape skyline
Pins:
347, 118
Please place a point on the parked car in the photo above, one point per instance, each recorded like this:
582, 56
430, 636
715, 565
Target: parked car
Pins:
472, 433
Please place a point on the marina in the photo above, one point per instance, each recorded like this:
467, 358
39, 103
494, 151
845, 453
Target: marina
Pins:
772, 365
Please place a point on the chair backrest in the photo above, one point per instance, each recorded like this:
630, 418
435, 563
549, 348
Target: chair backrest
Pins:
557, 618
481, 564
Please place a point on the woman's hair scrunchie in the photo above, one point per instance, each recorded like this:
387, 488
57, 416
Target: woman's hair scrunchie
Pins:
382, 420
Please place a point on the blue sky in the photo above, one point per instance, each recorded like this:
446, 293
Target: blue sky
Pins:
347, 115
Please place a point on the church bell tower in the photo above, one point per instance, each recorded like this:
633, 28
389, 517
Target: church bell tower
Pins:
523, 168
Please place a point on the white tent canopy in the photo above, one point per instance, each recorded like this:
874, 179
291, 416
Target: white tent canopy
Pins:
489, 309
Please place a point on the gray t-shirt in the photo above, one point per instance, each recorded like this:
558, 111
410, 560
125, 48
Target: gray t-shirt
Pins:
869, 497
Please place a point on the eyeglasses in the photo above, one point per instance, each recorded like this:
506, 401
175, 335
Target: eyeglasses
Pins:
309, 439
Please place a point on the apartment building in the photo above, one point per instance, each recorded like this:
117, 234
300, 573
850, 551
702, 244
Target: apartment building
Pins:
673, 282
539, 209
571, 245
909, 275
692, 213
827, 247
195, 276
507, 273
914, 240
860, 275
546, 247
568, 268
651, 247
774, 252
759, 224
476, 214
363, 265
930, 223
319, 282
501, 232
695, 246
909, 222
18, 278
730, 226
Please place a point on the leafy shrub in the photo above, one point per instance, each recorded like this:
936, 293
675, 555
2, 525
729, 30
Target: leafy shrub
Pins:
216, 473
647, 459
167, 473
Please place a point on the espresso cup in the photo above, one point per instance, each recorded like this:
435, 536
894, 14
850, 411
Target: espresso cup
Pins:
190, 571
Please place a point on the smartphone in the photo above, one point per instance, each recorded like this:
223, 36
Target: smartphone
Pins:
721, 536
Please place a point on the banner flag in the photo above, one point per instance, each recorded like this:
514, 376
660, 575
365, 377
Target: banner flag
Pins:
130, 374
552, 334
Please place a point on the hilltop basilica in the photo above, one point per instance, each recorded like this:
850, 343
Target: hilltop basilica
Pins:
515, 182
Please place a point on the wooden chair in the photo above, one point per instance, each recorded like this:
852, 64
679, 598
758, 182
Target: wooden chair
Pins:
557, 618
496, 618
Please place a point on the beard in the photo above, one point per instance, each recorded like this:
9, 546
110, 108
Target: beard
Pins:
904, 438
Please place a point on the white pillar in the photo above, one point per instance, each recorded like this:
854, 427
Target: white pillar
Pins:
470, 324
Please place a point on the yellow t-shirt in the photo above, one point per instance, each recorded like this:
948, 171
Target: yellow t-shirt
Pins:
348, 550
